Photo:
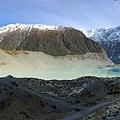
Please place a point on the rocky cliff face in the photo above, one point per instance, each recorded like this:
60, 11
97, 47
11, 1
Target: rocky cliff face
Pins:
54, 41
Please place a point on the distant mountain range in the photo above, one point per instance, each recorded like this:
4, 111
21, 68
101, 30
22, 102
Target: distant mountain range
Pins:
52, 40
109, 39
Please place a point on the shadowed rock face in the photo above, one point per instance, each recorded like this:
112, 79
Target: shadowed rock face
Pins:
112, 50
32, 98
53, 42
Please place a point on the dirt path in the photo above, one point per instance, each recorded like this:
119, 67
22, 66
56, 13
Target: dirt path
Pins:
84, 112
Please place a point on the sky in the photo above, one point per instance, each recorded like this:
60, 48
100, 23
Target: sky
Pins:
87, 14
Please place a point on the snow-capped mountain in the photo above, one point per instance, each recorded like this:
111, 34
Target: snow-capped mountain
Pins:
13, 27
109, 39
52, 40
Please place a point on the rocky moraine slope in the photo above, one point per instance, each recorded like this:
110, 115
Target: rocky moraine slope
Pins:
37, 99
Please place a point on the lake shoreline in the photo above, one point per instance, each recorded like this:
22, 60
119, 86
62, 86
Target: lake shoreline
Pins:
65, 72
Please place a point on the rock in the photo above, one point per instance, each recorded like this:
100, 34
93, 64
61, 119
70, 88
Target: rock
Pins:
54, 96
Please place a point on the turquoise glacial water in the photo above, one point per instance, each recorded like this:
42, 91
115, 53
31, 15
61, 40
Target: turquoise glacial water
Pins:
65, 73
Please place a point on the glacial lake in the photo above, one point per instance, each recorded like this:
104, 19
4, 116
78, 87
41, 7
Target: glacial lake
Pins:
64, 73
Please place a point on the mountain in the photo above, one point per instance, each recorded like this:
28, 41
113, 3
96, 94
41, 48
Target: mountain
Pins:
109, 39
52, 40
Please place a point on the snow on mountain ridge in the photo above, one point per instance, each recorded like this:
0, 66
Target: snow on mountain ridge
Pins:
13, 27
88, 33
102, 34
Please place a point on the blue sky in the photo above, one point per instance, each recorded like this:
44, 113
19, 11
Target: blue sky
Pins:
88, 14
